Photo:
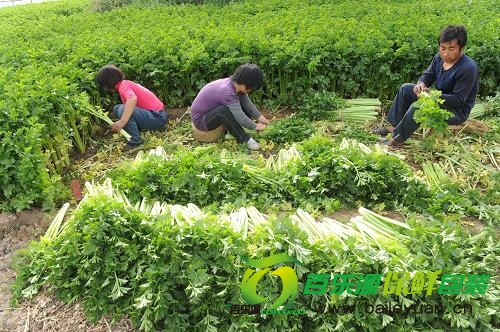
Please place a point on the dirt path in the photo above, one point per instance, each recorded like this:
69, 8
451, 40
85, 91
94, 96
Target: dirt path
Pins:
16, 230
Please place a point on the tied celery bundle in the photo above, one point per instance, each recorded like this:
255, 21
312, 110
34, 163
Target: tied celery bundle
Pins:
360, 110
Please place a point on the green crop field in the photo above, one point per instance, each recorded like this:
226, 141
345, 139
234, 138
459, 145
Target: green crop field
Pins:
164, 235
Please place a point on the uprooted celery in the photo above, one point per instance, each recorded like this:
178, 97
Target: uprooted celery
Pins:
98, 112
363, 102
55, 225
477, 111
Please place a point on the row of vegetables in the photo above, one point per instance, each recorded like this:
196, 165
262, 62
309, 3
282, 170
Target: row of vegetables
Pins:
178, 267
136, 245
49, 54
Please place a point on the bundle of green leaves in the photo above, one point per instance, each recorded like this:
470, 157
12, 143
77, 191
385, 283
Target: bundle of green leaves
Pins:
327, 169
189, 175
318, 105
429, 114
348, 172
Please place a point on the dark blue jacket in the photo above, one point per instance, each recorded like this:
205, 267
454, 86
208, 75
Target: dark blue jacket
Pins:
459, 84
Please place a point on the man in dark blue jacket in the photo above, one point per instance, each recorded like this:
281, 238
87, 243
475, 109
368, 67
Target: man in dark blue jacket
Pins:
453, 72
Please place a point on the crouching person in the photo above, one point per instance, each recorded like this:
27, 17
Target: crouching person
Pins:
225, 102
141, 109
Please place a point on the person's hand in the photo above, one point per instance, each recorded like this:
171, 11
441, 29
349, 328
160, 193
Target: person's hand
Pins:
419, 88
260, 126
117, 126
262, 119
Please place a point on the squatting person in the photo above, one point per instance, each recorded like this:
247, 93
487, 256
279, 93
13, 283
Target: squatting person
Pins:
225, 102
141, 109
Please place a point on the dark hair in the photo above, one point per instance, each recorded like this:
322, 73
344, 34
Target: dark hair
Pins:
109, 76
452, 32
250, 75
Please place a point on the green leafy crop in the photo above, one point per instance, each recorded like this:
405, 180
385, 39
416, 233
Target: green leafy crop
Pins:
429, 114
171, 271
289, 130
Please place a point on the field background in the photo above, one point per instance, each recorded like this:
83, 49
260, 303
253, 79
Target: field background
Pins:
314, 54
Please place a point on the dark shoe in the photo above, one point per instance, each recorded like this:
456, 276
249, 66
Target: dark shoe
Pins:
395, 144
382, 131
131, 146
391, 143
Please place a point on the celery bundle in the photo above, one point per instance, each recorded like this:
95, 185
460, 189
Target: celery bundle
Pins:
477, 111
360, 110
435, 175
55, 225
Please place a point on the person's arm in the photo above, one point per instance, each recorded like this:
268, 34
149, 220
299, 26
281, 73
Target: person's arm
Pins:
427, 78
464, 84
127, 113
250, 109
241, 117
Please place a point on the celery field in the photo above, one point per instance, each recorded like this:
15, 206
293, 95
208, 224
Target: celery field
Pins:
165, 235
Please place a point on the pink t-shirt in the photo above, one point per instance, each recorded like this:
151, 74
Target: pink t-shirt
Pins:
145, 98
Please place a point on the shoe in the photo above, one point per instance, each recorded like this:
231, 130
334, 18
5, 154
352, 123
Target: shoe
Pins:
395, 143
252, 144
130, 146
382, 131
390, 142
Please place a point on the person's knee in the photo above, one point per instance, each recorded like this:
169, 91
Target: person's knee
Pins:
118, 110
407, 88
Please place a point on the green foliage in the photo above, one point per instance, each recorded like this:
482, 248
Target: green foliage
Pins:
347, 172
40, 119
173, 274
195, 2
291, 129
327, 169
24, 180
49, 54
107, 5
317, 105
493, 106
429, 114
188, 176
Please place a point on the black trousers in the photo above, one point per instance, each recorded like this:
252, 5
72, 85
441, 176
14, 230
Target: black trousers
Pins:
401, 113
221, 115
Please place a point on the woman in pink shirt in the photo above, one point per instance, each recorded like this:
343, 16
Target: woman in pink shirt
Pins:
140, 108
